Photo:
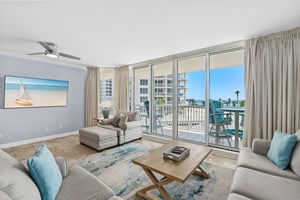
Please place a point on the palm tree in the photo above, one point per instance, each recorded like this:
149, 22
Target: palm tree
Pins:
237, 97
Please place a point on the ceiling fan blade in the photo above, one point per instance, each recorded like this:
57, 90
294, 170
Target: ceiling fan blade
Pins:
68, 56
39, 53
45, 45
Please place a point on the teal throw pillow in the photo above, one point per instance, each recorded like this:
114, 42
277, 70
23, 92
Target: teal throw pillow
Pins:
45, 172
281, 148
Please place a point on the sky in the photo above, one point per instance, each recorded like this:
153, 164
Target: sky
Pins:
223, 83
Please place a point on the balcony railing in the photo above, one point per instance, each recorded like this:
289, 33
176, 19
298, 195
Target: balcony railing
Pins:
190, 117
159, 85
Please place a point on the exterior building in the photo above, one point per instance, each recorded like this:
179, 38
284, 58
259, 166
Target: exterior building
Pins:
106, 94
106, 89
163, 89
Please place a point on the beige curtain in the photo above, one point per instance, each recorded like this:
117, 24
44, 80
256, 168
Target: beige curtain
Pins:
92, 95
121, 90
272, 85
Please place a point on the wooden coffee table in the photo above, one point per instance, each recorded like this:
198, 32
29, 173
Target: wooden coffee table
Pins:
171, 170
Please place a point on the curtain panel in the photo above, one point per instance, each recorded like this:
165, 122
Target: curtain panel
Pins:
121, 90
92, 96
272, 85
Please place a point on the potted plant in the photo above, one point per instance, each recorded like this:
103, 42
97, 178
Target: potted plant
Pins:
105, 112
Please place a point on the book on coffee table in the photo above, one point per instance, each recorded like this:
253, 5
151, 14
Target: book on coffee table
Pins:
176, 153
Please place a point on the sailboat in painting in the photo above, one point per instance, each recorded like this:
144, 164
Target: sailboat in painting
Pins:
23, 98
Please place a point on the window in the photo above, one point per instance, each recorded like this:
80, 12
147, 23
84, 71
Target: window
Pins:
106, 89
143, 99
143, 82
143, 90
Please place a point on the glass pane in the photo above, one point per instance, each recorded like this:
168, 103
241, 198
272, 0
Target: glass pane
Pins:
191, 99
106, 92
141, 96
227, 99
162, 99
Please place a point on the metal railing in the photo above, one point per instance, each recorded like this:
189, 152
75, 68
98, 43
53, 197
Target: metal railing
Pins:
190, 117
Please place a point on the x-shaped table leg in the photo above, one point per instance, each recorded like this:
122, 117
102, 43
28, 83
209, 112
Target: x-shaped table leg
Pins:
157, 184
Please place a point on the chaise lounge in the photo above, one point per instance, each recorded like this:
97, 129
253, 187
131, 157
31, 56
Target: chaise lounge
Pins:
124, 127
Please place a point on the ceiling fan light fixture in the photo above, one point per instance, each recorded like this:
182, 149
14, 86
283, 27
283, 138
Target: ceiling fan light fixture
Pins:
51, 55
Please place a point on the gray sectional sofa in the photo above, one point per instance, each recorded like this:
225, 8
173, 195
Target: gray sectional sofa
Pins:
78, 184
256, 177
107, 134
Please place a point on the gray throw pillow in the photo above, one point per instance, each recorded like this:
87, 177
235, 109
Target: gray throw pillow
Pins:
123, 121
115, 122
295, 160
132, 116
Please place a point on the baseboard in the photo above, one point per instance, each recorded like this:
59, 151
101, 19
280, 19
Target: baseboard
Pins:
22, 142
157, 138
225, 153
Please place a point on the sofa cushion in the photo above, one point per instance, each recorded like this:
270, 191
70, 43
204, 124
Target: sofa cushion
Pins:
81, 185
4, 196
45, 172
258, 185
295, 160
123, 121
15, 181
62, 165
97, 133
132, 116
118, 130
249, 159
234, 196
116, 120
281, 148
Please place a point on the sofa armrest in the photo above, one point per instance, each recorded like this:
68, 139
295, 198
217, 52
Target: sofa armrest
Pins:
131, 125
104, 121
62, 165
260, 146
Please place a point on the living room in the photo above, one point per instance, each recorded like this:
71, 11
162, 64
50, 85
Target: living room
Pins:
175, 68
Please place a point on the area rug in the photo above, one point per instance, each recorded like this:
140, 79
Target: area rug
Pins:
116, 169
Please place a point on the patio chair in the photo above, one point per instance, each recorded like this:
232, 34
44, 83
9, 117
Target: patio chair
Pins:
218, 121
157, 118
241, 131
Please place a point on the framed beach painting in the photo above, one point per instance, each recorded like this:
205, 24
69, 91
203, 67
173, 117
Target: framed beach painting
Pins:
24, 92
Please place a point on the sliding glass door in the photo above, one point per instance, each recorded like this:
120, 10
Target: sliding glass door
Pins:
199, 98
141, 96
191, 99
227, 99
162, 100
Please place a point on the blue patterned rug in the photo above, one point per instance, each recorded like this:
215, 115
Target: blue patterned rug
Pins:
115, 168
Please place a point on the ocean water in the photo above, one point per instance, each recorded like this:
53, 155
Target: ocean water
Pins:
14, 86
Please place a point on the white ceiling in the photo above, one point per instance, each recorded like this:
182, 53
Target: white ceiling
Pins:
110, 33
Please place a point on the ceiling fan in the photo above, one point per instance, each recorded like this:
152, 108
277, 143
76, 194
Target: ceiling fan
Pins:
51, 51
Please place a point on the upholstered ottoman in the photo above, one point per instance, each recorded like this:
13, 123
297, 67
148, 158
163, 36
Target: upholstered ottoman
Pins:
98, 138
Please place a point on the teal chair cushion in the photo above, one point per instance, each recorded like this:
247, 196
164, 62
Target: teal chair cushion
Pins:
281, 148
45, 172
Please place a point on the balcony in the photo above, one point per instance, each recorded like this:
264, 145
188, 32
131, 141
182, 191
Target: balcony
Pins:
191, 124
159, 94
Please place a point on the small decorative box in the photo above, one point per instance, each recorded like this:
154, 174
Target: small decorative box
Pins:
176, 153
